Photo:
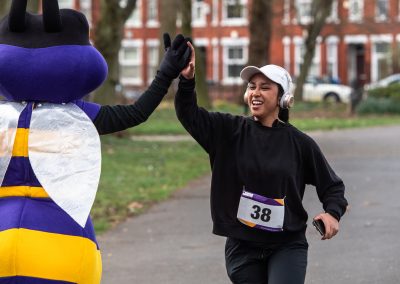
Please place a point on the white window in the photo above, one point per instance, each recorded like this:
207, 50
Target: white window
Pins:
356, 10
86, 8
235, 56
382, 10
214, 11
130, 59
333, 17
381, 60
332, 57
234, 13
135, 19
304, 11
152, 13
286, 12
66, 4
152, 59
199, 13
299, 51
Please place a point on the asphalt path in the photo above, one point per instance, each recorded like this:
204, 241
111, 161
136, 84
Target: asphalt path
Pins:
172, 243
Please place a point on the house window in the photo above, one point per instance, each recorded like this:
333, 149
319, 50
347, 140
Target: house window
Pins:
152, 13
382, 10
333, 16
235, 58
382, 59
234, 12
332, 58
199, 13
66, 4
315, 68
135, 19
356, 10
130, 59
304, 11
152, 60
286, 12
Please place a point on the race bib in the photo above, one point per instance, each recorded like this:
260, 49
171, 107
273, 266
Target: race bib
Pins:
261, 212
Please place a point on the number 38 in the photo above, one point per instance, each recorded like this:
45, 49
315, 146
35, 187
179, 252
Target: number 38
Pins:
264, 214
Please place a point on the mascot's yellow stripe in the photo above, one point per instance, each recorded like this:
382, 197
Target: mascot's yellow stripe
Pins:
50, 256
28, 191
21, 143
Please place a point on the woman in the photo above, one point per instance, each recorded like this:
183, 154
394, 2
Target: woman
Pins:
260, 167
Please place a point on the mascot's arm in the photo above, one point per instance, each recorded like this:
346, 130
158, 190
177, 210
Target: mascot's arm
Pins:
120, 117
116, 118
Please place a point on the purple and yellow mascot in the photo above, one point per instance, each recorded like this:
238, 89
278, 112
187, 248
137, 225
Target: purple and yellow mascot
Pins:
50, 156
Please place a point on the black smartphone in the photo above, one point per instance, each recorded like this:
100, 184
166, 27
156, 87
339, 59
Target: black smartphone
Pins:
319, 225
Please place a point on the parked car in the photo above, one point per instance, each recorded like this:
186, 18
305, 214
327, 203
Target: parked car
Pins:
316, 89
384, 82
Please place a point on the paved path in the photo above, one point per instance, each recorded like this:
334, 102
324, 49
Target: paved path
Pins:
172, 243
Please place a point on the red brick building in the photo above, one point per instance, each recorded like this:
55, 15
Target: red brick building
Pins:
360, 41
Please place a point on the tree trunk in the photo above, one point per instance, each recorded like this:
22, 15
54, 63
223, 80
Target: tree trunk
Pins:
320, 11
260, 32
260, 37
201, 82
168, 14
108, 35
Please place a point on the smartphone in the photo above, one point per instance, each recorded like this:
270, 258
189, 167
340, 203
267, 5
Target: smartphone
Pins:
319, 225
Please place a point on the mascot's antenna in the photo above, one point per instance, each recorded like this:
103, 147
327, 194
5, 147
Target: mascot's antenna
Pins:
16, 20
51, 16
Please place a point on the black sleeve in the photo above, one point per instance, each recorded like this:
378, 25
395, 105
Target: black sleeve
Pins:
205, 127
120, 117
330, 188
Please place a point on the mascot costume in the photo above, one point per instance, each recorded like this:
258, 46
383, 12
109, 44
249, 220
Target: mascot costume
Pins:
50, 156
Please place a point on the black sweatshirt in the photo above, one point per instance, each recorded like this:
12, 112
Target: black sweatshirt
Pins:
275, 162
120, 117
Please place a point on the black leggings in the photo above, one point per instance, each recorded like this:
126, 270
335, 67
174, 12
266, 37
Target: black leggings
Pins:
250, 264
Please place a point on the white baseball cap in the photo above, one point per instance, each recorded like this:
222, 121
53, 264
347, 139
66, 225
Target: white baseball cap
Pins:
273, 72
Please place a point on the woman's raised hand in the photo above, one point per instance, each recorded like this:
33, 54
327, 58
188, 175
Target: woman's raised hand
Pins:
188, 71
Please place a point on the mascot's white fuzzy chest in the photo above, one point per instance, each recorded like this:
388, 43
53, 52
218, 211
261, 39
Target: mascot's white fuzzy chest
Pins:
64, 151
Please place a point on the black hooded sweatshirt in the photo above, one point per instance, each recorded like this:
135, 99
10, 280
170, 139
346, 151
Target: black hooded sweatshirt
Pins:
275, 162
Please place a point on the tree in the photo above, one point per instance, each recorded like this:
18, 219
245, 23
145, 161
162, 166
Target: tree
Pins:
201, 82
320, 11
168, 14
108, 36
260, 36
260, 32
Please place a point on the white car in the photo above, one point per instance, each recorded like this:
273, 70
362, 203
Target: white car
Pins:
385, 82
317, 90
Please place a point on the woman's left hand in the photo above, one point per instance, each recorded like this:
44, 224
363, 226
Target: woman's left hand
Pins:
188, 71
331, 225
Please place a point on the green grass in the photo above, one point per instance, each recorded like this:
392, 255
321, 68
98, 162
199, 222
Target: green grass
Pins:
137, 174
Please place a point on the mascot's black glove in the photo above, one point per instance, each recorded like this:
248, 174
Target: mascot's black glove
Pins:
176, 57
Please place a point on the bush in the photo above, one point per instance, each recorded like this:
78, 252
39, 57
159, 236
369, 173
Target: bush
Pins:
391, 92
380, 104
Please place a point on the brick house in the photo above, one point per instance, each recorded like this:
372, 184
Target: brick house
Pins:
360, 41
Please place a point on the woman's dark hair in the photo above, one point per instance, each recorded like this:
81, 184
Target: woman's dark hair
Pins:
283, 113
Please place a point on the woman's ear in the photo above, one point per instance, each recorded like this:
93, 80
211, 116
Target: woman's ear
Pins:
246, 95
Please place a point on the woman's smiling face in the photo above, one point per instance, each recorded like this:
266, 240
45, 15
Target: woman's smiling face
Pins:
263, 99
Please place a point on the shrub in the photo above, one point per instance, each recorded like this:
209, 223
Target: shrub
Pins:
379, 104
392, 92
